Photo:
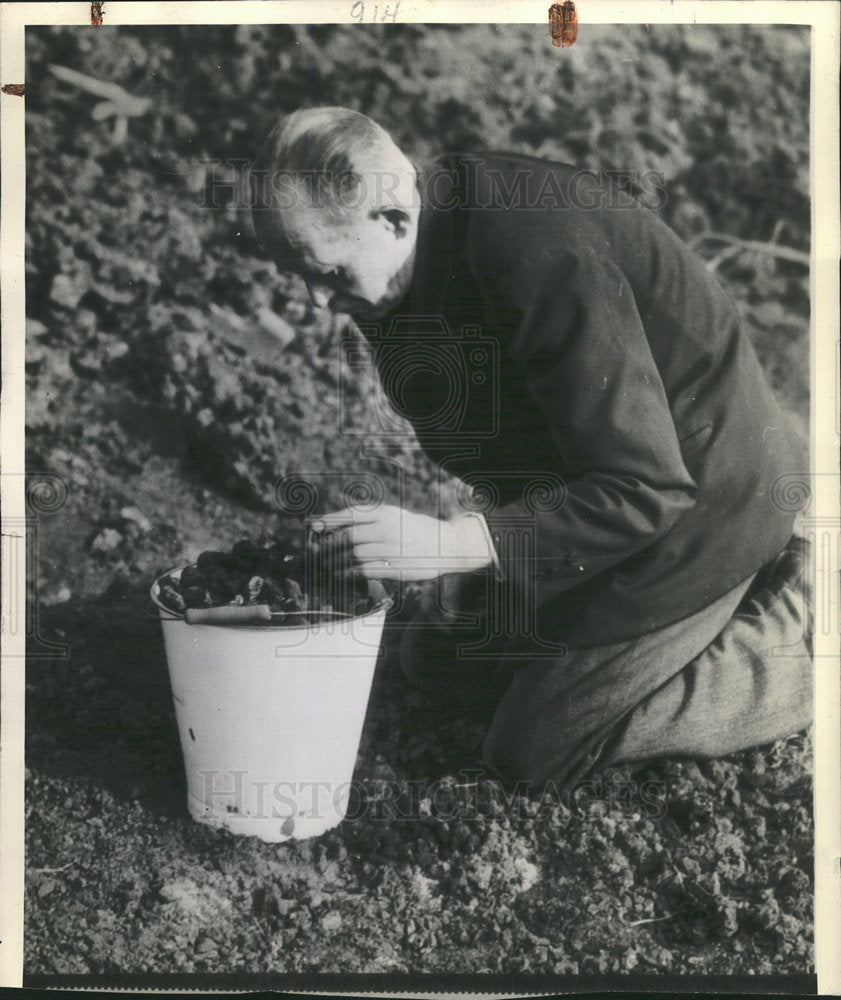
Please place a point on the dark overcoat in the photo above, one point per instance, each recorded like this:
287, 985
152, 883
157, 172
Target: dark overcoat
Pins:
564, 352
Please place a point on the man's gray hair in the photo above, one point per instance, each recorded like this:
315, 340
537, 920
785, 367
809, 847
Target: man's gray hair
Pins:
319, 152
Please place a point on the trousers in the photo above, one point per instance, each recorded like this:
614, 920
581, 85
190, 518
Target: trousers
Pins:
736, 674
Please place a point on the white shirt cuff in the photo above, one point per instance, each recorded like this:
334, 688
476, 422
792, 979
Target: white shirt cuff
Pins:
490, 549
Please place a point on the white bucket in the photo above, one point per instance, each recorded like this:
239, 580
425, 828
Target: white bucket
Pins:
270, 719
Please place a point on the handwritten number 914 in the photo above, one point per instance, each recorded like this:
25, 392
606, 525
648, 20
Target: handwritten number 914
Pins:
376, 12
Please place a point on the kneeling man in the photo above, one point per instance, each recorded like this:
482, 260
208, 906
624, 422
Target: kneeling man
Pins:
633, 588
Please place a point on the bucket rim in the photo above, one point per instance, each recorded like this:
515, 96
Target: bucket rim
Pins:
380, 607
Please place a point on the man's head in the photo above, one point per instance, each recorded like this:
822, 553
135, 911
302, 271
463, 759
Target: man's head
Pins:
335, 200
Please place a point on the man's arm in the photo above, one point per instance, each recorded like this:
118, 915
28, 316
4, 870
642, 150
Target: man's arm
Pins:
586, 361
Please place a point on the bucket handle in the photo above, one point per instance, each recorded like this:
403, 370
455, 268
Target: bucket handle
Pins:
247, 614
152, 612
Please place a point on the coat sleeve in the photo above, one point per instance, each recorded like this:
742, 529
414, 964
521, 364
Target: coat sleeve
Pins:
621, 483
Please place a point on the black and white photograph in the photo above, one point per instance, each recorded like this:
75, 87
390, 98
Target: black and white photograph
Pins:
425, 568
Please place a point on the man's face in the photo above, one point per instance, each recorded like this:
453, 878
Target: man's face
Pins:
360, 265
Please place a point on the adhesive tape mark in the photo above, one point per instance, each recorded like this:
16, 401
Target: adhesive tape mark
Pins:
563, 23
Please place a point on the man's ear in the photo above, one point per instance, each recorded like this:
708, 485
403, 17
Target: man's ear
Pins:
396, 219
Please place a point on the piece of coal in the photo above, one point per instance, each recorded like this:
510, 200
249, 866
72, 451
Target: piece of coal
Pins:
212, 562
192, 576
292, 594
246, 555
269, 594
196, 597
225, 586
170, 598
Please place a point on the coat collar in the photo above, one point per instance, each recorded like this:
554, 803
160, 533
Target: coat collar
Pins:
434, 255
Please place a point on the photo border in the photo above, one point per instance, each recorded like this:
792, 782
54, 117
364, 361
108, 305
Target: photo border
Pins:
823, 18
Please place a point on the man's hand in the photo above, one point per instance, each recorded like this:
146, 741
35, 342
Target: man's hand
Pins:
390, 543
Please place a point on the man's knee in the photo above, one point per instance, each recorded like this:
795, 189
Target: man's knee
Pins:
508, 761
521, 763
